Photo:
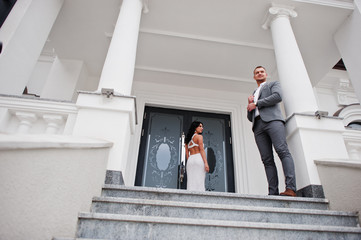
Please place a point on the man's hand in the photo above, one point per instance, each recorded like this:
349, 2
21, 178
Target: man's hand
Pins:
250, 99
251, 106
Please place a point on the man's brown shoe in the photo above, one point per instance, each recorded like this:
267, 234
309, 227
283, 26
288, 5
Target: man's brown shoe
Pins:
288, 192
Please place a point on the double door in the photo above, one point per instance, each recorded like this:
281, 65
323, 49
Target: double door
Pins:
162, 153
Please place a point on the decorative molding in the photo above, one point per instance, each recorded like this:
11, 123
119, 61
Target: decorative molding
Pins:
345, 92
278, 11
350, 114
346, 4
35, 112
339, 163
204, 38
194, 74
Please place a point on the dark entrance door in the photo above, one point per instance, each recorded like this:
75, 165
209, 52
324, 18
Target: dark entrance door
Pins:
161, 148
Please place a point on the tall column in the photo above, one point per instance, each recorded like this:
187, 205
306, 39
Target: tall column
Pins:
297, 89
309, 138
347, 39
112, 116
24, 34
119, 65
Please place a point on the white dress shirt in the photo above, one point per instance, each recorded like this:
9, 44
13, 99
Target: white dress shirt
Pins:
256, 96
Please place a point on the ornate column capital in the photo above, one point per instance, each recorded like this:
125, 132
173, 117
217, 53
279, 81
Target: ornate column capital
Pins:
278, 11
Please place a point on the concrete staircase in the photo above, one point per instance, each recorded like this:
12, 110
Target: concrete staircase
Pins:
151, 213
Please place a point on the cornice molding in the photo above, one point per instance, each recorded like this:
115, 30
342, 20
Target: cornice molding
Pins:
331, 3
204, 38
194, 74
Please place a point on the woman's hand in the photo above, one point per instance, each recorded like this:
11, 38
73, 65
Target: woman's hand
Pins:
206, 167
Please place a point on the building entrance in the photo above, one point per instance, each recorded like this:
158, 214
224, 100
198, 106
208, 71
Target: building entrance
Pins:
162, 153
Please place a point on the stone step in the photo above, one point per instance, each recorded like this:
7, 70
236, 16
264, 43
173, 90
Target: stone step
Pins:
118, 226
213, 197
146, 207
61, 238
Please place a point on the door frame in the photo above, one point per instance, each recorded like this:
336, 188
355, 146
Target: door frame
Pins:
188, 114
235, 106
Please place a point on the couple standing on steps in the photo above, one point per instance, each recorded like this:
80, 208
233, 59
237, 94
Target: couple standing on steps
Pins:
264, 112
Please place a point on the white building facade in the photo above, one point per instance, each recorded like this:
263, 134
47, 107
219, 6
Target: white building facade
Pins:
94, 91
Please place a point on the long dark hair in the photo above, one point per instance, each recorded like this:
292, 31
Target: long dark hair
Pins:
191, 131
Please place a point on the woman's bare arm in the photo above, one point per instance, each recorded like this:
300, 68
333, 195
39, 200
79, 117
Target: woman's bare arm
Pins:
202, 152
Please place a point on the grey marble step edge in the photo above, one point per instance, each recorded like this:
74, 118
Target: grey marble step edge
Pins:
60, 238
216, 223
217, 194
223, 206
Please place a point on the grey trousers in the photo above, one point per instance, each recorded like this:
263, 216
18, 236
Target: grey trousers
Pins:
273, 133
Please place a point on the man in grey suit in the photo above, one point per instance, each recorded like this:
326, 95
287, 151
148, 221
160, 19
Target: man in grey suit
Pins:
264, 112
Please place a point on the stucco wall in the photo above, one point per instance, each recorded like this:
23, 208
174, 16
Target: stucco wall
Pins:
46, 182
341, 184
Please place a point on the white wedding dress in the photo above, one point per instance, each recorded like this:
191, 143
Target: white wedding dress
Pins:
196, 173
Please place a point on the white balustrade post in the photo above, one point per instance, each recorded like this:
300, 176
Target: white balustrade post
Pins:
26, 121
53, 123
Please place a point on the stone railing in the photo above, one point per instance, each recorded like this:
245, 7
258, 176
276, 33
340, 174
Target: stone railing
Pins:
31, 115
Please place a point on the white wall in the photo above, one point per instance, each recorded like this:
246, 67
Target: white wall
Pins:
341, 184
46, 181
64, 77
39, 76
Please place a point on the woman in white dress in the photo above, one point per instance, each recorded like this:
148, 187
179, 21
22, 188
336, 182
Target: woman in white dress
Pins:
196, 164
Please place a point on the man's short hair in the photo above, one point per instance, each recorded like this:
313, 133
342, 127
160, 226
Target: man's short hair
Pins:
258, 67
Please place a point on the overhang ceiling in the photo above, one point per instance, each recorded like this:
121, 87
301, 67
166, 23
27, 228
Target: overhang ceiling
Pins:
200, 41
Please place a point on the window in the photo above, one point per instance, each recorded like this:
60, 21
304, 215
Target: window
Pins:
355, 125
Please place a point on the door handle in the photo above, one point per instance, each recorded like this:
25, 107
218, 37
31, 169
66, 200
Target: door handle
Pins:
183, 159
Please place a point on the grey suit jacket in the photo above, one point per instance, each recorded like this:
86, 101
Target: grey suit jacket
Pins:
268, 103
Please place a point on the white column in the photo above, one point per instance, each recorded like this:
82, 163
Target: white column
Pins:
113, 118
24, 35
118, 70
296, 85
347, 39
309, 138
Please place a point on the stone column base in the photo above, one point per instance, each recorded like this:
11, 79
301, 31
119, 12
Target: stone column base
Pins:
311, 191
114, 177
